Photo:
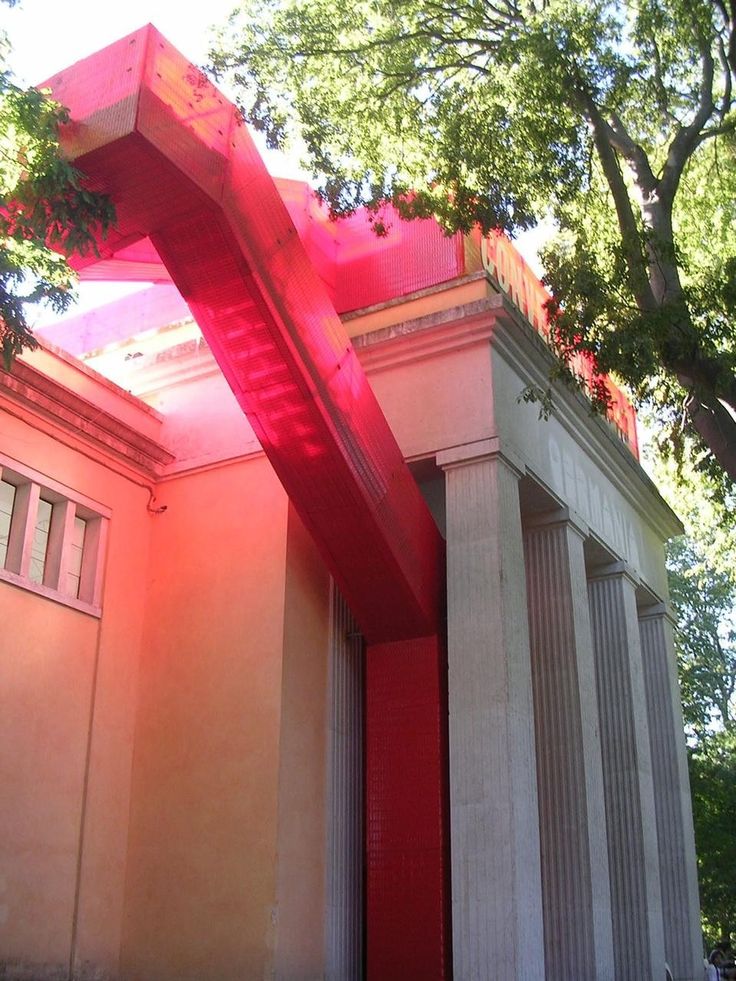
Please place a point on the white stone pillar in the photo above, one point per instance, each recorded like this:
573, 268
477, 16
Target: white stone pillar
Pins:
677, 865
496, 882
633, 859
575, 883
344, 913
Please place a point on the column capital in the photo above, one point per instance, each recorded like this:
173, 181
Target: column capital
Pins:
615, 570
560, 516
658, 611
478, 451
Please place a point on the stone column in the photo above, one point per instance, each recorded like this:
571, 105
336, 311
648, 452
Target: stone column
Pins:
494, 822
345, 781
633, 859
575, 881
677, 866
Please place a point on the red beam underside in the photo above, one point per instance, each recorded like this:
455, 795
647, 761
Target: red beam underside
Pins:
150, 130
407, 820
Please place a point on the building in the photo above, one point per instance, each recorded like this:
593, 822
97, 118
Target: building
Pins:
247, 730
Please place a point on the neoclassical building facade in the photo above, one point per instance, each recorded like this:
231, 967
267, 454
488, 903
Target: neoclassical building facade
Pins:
325, 656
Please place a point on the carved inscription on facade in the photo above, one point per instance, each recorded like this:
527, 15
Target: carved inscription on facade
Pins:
587, 495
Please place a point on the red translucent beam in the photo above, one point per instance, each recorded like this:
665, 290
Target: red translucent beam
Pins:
152, 132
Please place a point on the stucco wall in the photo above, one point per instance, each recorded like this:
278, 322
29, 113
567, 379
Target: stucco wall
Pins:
67, 688
46, 674
202, 857
302, 820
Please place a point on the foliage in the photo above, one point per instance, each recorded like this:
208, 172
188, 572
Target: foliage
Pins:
702, 578
712, 765
616, 116
704, 599
705, 602
46, 212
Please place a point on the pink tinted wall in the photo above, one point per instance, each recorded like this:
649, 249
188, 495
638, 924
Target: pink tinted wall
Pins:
68, 684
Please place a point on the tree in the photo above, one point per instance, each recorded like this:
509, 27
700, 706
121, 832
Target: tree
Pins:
615, 116
46, 212
705, 602
712, 766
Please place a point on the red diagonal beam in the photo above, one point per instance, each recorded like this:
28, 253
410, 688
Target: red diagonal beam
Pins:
153, 133
150, 130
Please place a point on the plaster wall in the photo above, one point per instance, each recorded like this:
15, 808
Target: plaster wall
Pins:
68, 689
201, 888
224, 855
440, 401
302, 818
47, 672
202, 423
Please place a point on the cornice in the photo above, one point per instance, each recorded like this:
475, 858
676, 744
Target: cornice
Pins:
400, 301
428, 336
522, 348
615, 570
188, 361
469, 454
496, 320
34, 390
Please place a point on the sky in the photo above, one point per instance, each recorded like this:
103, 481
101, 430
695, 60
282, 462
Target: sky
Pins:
47, 35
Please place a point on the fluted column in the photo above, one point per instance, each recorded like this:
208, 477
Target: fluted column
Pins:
344, 866
575, 881
496, 883
677, 866
633, 859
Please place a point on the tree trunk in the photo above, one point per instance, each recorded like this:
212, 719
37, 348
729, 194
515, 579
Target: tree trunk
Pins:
715, 424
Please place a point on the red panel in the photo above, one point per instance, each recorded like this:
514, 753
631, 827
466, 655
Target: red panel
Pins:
102, 93
136, 263
406, 822
413, 256
317, 232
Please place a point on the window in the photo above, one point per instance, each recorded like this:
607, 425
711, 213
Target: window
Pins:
51, 539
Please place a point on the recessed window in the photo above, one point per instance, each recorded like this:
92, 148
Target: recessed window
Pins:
7, 496
40, 541
51, 539
76, 551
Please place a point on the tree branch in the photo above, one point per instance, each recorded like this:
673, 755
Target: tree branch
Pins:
712, 131
716, 426
633, 152
630, 236
689, 137
727, 83
663, 100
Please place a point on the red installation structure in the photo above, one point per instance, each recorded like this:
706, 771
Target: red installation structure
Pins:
265, 274
149, 130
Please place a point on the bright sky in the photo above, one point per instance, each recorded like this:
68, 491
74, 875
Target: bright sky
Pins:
47, 35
